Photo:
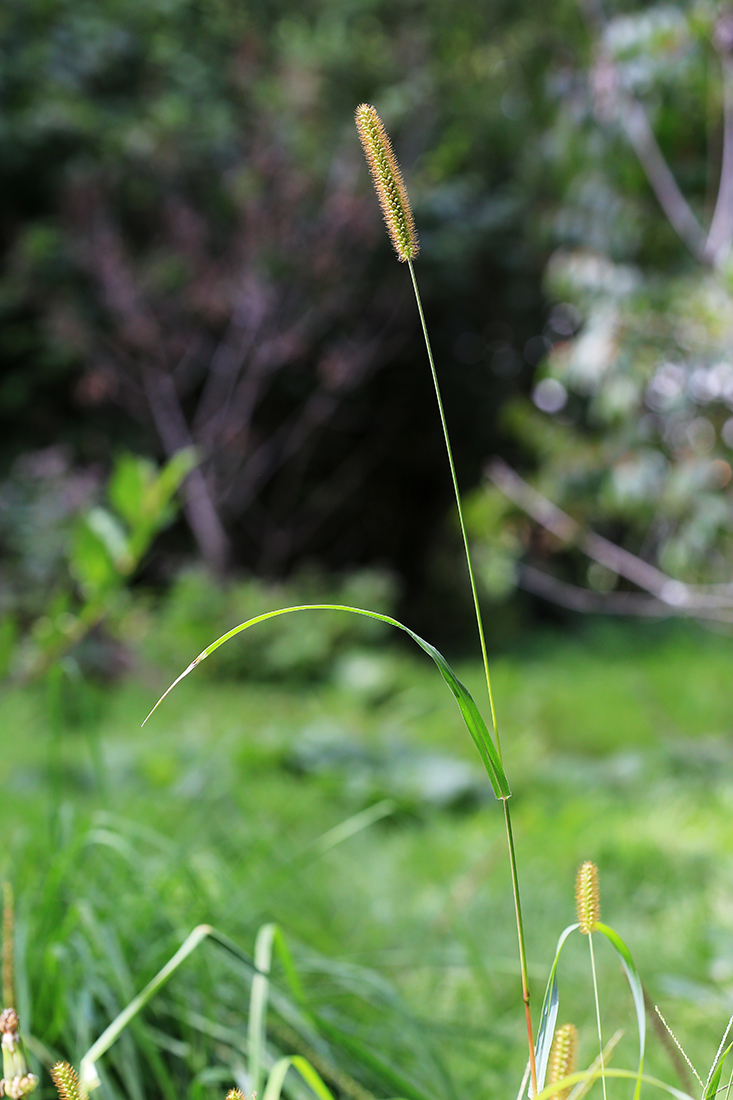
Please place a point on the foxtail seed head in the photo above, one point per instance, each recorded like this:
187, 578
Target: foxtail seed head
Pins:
388, 182
562, 1057
67, 1082
587, 897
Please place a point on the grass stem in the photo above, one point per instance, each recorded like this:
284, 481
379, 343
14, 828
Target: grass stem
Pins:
484, 655
598, 1011
459, 505
520, 939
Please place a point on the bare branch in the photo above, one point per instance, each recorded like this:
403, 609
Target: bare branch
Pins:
611, 102
662, 182
198, 507
720, 236
673, 595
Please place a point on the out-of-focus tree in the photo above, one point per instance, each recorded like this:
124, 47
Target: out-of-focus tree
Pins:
631, 424
191, 252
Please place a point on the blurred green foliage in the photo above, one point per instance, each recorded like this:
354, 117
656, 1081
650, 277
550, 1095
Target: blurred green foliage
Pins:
197, 610
69, 559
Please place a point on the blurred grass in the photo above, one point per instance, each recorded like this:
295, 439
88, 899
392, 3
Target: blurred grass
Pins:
617, 744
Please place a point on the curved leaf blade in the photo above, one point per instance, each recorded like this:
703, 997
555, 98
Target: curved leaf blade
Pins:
548, 1015
469, 711
637, 992
275, 1081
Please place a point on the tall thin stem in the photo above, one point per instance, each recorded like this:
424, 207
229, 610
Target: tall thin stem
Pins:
480, 625
459, 505
598, 1010
520, 939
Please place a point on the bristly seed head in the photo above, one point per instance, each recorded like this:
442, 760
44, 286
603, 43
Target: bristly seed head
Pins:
587, 897
562, 1057
388, 182
67, 1082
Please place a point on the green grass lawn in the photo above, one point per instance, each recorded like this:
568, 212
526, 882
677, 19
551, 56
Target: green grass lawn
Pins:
617, 743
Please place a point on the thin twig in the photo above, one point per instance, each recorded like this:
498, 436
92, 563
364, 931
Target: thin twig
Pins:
671, 596
635, 122
661, 180
720, 236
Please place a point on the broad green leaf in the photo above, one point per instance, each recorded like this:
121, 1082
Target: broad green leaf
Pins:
90, 561
470, 712
144, 496
110, 534
637, 992
172, 475
127, 485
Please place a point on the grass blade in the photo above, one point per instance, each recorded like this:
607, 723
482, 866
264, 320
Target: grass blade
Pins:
470, 712
258, 1005
713, 1081
352, 825
637, 992
274, 1086
548, 1015
87, 1071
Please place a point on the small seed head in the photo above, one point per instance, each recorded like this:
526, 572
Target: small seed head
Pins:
587, 897
67, 1082
563, 1057
388, 182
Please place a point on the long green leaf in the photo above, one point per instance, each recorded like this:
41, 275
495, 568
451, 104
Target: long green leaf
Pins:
637, 992
713, 1082
311, 1077
258, 1005
269, 938
403, 1085
274, 1086
622, 1074
291, 974
548, 1015
87, 1069
470, 712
